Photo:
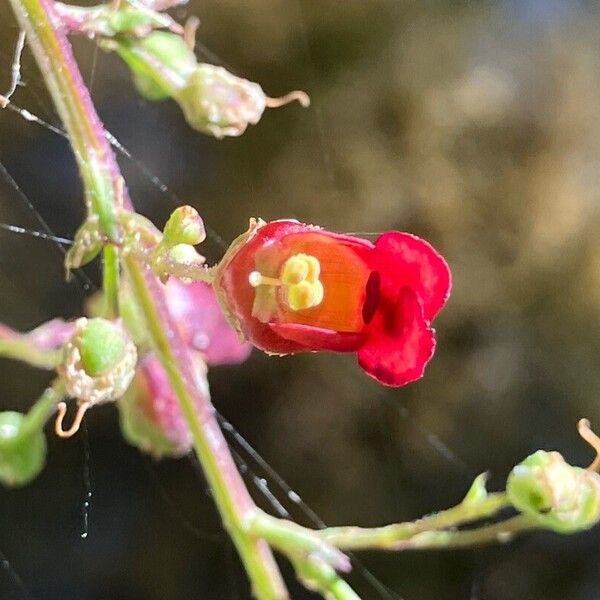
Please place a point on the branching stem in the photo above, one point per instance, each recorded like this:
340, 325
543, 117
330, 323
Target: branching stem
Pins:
106, 197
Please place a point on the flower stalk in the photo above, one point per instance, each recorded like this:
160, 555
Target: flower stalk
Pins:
38, 348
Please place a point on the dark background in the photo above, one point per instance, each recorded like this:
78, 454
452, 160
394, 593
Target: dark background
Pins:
474, 124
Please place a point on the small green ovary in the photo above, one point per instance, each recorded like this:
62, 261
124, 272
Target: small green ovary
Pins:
101, 345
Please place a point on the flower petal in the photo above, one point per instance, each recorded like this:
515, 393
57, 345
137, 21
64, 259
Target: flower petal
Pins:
408, 259
316, 338
195, 308
398, 351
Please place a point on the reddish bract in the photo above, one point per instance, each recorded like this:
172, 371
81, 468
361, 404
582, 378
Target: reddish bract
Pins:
375, 299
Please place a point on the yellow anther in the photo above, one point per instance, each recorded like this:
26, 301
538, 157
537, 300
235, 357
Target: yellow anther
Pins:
300, 267
304, 295
314, 268
299, 280
294, 270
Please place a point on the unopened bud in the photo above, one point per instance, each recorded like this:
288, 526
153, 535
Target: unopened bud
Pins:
150, 415
556, 495
160, 62
185, 226
22, 453
99, 361
213, 100
216, 102
86, 245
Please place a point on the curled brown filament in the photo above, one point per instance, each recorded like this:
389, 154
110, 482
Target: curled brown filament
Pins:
592, 439
296, 95
61, 408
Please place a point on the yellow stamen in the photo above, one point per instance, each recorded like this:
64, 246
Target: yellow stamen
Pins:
255, 279
300, 280
300, 267
305, 295
294, 270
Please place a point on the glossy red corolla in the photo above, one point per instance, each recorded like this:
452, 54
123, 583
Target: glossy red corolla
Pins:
289, 287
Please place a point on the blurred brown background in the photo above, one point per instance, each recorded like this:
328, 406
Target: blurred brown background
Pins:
474, 124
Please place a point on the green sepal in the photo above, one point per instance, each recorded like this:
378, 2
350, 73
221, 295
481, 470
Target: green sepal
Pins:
131, 19
22, 454
185, 226
556, 495
87, 244
160, 62
477, 492
218, 103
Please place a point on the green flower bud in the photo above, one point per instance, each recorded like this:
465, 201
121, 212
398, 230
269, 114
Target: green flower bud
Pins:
150, 415
160, 62
185, 255
22, 452
555, 494
216, 102
185, 226
98, 361
86, 245
213, 100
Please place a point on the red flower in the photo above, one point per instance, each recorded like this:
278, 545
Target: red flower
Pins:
289, 287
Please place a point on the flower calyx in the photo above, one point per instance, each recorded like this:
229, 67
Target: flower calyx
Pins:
555, 494
213, 100
150, 415
98, 362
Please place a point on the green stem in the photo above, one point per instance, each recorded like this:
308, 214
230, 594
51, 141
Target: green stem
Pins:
293, 539
97, 166
110, 281
43, 409
392, 536
228, 489
316, 562
324, 579
22, 350
302, 544
488, 534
